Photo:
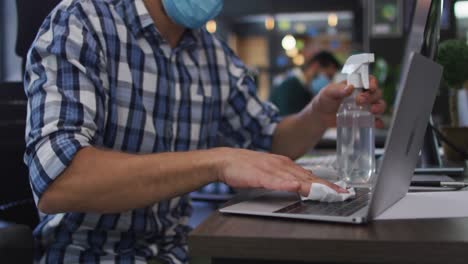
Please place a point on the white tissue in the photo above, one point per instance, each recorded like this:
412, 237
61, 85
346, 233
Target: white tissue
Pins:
323, 193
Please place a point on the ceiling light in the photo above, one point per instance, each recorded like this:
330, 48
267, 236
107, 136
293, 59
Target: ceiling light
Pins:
269, 23
299, 60
292, 53
211, 26
332, 20
288, 42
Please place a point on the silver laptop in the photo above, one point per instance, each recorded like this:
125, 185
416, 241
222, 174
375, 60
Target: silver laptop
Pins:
415, 100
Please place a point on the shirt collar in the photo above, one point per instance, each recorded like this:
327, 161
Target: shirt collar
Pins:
190, 39
136, 15
139, 20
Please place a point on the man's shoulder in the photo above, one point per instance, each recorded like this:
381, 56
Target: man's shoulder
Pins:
71, 25
85, 11
74, 17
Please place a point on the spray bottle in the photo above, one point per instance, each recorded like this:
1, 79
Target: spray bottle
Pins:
355, 125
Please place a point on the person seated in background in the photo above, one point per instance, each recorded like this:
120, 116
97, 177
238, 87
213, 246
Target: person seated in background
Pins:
298, 89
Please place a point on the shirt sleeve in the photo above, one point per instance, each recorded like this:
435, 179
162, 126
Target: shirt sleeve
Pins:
247, 122
65, 97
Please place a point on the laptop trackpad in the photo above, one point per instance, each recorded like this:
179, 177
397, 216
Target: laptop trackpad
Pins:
268, 203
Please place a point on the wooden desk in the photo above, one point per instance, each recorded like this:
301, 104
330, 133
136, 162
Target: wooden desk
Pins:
247, 239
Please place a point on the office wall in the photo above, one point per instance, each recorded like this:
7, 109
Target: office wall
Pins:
10, 68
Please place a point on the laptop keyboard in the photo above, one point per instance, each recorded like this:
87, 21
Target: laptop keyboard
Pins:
345, 208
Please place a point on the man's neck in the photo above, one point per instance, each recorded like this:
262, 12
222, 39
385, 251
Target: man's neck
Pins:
169, 30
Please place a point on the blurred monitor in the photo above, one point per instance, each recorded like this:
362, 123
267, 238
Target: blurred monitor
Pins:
424, 39
425, 29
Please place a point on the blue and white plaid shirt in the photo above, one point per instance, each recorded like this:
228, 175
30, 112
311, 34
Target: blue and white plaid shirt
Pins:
100, 74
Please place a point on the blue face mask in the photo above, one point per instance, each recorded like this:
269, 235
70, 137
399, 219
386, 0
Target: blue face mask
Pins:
319, 83
192, 13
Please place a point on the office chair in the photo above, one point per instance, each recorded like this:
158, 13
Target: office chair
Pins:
16, 203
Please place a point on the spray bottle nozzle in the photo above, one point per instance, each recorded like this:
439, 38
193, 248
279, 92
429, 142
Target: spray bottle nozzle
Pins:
357, 69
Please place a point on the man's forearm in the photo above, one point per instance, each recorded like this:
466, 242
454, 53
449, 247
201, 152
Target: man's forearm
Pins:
104, 181
298, 133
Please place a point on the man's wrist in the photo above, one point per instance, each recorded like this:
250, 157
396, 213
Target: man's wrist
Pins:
216, 160
312, 115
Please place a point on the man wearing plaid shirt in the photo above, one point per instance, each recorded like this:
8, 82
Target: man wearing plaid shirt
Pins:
128, 100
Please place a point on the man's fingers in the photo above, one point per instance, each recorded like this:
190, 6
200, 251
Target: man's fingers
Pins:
339, 91
298, 175
280, 184
378, 107
375, 96
285, 175
290, 168
335, 187
329, 184
305, 188
372, 95
369, 97
379, 123
373, 84
290, 186
309, 178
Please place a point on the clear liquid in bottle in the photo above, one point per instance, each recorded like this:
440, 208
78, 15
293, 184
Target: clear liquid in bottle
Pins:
355, 143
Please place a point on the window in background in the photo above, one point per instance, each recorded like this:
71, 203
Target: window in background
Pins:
10, 63
461, 14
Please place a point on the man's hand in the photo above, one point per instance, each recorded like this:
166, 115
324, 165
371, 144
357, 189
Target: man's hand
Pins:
249, 169
328, 101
